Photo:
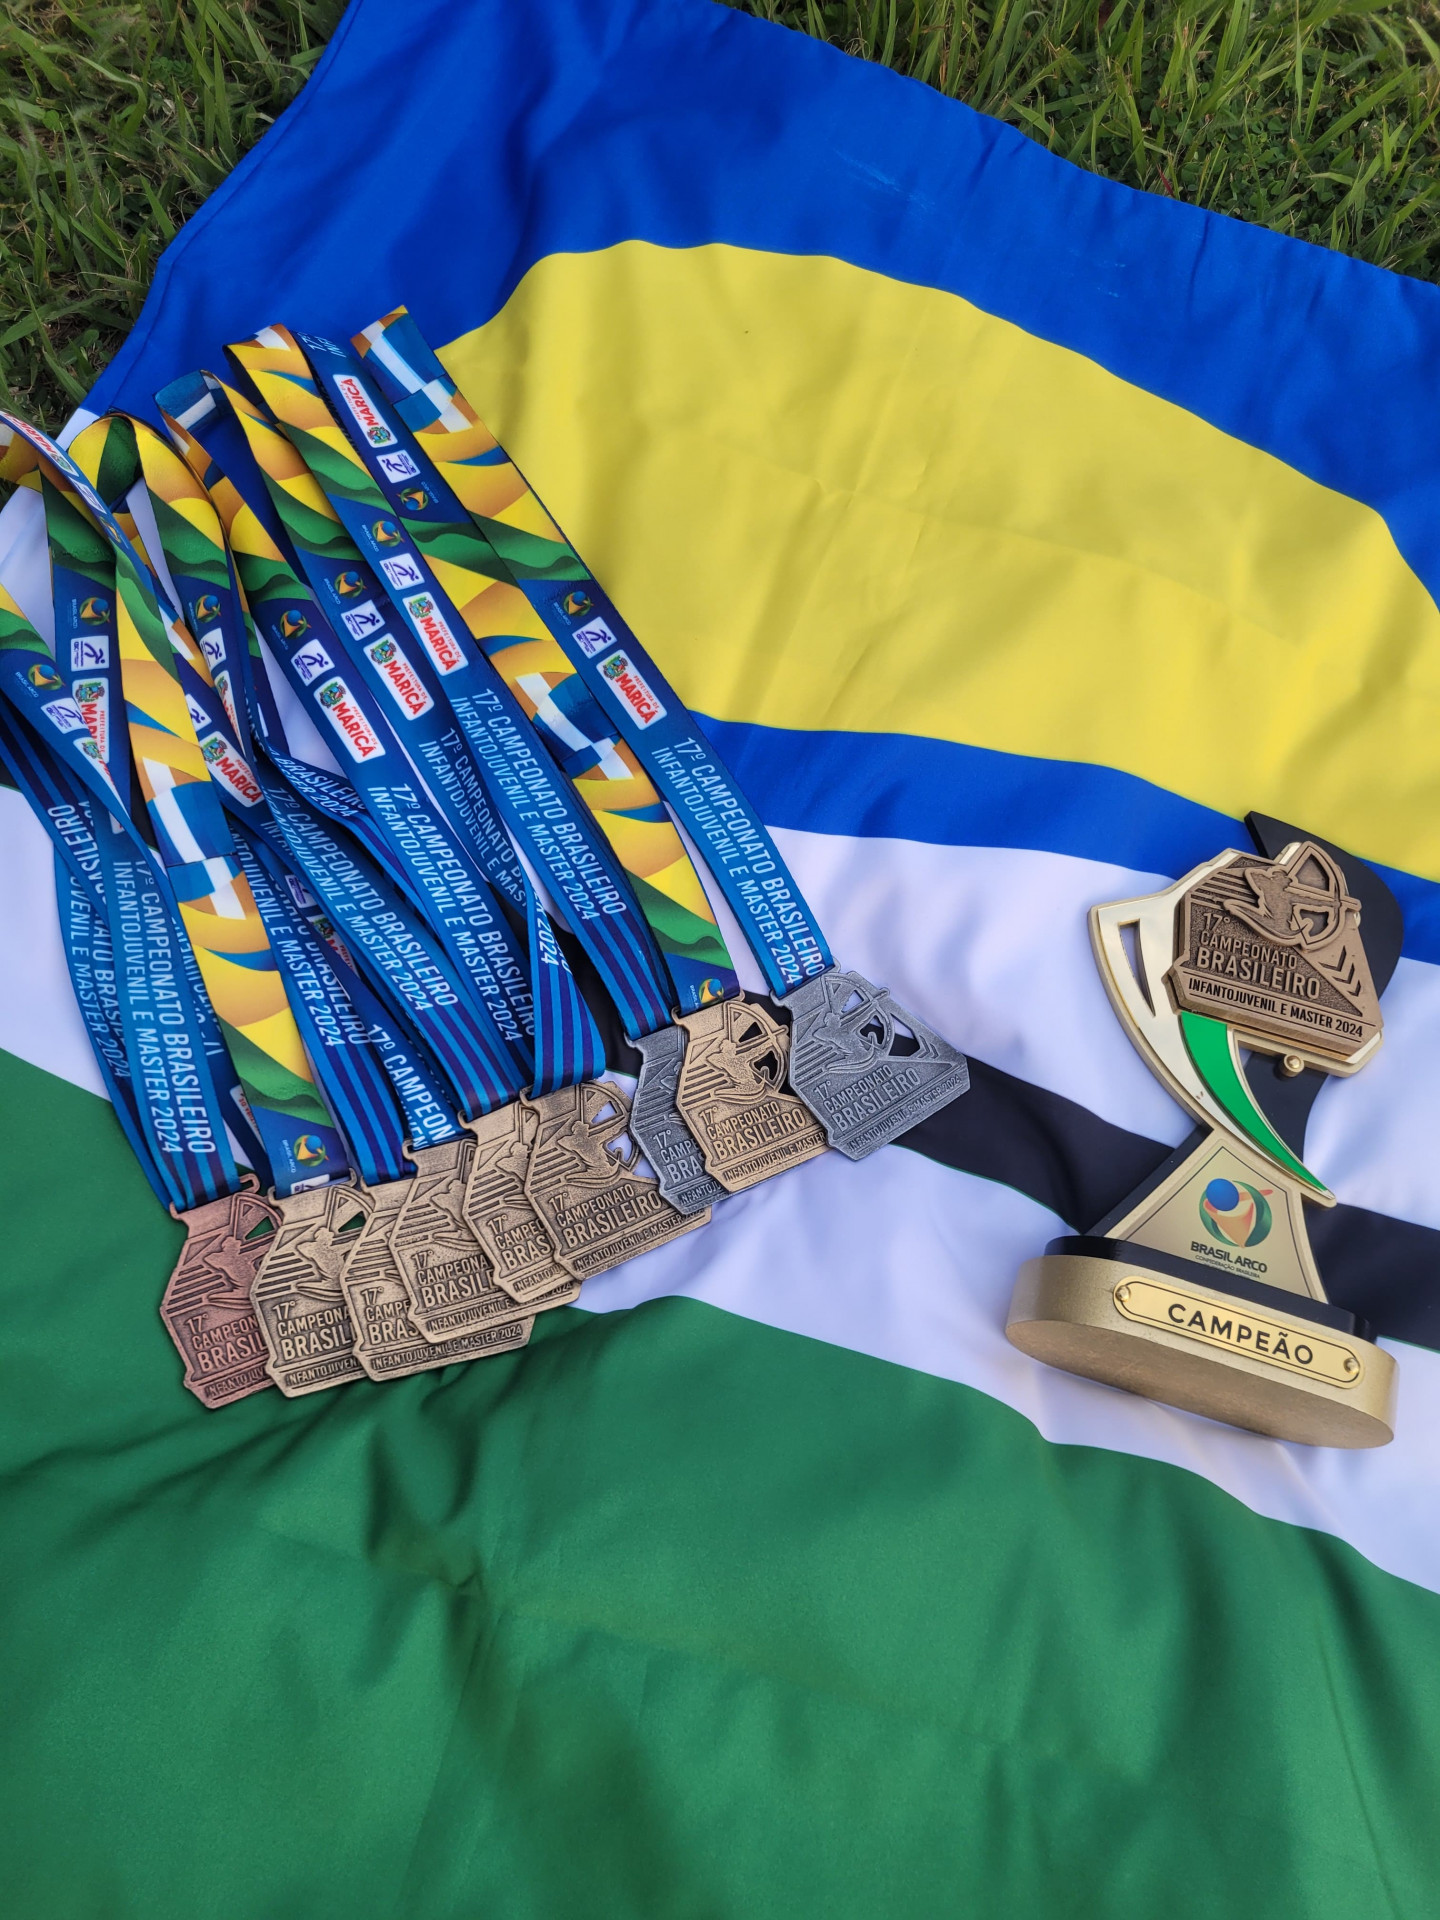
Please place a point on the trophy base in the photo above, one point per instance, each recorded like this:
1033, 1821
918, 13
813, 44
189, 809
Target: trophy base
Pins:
1253, 1356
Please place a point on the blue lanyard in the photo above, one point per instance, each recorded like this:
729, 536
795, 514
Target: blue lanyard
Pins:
90, 959
426, 843
419, 1086
182, 913
415, 833
356, 1084
365, 1058
182, 1099
534, 802
630, 690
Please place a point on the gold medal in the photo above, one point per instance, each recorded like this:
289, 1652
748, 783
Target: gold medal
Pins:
388, 1344
446, 1274
297, 1294
732, 1095
500, 1211
596, 1208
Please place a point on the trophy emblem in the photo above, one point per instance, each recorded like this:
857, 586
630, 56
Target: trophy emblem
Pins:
1201, 1289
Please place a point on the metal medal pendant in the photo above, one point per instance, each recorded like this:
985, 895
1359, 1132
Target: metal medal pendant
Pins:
732, 1095
596, 1208
206, 1305
662, 1135
298, 1298
867, 1069
442, 1264
502, 1217
388, 1344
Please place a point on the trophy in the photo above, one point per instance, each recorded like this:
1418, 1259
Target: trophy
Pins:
1243, 985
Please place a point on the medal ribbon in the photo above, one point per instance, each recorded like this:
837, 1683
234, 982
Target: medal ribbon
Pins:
84, 927
221, 922
632, 693
605, 772
427, 843
364, 1058
175, 1064
411, 838
535, 806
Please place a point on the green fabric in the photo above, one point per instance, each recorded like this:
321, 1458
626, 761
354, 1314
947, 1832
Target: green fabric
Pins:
670, 1615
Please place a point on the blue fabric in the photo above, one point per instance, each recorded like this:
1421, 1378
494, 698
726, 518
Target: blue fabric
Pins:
683, 122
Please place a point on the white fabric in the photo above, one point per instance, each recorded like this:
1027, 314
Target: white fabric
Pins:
990, 946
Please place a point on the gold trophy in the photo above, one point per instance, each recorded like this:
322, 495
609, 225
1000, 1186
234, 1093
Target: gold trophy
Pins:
1200, 1289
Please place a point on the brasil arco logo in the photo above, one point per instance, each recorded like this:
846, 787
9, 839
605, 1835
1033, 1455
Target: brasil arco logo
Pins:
1235, 1213
310, 1150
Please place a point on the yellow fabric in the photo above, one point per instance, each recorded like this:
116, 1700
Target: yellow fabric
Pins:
825, 499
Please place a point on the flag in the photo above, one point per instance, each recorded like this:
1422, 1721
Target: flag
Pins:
1014, 534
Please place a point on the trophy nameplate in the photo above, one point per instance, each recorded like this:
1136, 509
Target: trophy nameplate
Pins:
1200, 1289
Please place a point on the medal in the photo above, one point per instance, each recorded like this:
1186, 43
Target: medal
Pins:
866, 1069
443, 1266
501, 1214
206, 1306
732, 1095
659, 1127
1201, 1289
388, 1344
297, 1293
596, 1208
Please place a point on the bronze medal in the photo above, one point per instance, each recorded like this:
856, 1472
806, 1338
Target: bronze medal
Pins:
596, 1208
732, 1095
443, 1266
297, 1294
500, 1213
206, 1305
388, 1344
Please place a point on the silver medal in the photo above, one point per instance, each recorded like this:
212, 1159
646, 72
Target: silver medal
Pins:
866, 1069
661, 1134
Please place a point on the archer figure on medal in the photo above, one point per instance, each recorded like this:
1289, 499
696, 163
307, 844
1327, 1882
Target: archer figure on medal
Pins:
1200, 1289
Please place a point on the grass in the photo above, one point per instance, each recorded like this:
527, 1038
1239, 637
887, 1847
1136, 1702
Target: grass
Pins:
117, 119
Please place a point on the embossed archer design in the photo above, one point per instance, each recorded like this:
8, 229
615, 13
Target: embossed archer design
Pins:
733, 1098
742, 1064
1303, 908
586, 1140
505, 1159
220, 1272
324, 1252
